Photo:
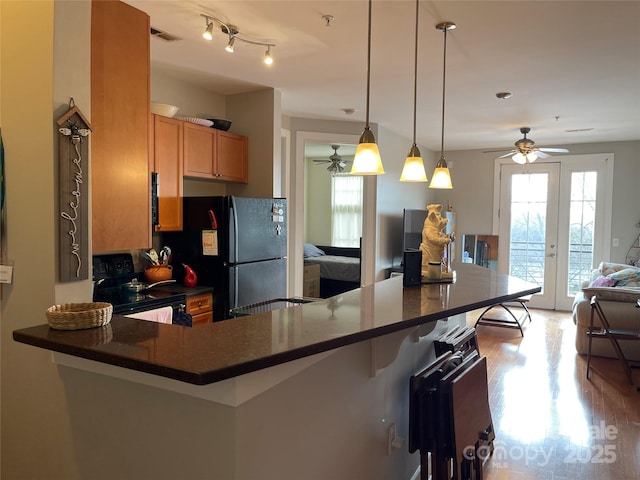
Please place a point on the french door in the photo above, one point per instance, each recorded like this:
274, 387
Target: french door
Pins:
553, 226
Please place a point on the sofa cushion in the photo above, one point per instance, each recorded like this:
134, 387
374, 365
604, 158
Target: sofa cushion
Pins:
613, 294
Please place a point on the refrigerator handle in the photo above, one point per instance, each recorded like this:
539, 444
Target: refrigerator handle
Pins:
233, 231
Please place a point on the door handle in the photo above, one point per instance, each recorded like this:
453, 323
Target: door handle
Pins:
552, 255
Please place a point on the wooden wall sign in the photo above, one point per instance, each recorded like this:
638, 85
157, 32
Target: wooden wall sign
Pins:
73, 195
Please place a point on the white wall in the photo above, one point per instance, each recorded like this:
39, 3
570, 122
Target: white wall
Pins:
36, 433
473, 184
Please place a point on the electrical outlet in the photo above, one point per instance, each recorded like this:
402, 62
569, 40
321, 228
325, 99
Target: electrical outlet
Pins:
393, 442
616, 242
391, 435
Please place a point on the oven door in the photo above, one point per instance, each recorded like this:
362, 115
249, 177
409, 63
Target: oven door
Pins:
169, 310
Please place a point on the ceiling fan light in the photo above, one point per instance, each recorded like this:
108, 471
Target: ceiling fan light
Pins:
441, 176
531, 157
519, 158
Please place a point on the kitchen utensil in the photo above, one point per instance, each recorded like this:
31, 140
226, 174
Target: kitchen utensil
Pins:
165, 253
136, 286
154, 256
190, 278
158, 273
148, 257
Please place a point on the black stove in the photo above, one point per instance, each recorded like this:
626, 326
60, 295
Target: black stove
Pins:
111, 272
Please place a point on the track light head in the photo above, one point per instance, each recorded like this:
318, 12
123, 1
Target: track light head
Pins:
268, 59
229, 47
208, 33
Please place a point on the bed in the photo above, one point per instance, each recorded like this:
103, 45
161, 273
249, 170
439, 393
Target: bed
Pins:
339, 267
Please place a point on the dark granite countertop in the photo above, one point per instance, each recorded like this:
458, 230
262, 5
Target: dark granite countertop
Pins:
222, 350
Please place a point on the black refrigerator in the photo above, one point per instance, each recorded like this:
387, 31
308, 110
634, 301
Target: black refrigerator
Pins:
236, 245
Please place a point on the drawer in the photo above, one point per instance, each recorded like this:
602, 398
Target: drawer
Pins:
202, 319
200, 303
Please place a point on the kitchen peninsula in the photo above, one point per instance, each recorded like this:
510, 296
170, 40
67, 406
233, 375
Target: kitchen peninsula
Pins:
309, 391
246, 344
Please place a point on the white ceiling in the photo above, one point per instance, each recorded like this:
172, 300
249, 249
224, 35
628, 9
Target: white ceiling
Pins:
570, 65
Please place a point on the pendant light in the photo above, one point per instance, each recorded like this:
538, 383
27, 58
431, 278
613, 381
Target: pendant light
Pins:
367, 159
441, 176
413, 170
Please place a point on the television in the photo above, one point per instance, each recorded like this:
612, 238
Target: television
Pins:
412, 223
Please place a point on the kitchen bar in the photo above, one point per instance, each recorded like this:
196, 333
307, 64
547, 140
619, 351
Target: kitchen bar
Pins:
231, 348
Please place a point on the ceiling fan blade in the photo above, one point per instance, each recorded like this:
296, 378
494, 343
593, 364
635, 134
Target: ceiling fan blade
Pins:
554, 150
499, 150
321, 160
540, 154
510, 154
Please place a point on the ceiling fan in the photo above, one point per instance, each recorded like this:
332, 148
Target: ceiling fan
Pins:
335, 161
525, 152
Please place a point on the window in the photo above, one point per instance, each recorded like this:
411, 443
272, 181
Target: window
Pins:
346, 210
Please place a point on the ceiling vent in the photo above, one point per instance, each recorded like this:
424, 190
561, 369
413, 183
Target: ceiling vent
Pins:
167, 37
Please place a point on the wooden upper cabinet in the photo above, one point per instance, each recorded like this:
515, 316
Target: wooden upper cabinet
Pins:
168, 163
232, 157
199, 148
214, 154
120, 104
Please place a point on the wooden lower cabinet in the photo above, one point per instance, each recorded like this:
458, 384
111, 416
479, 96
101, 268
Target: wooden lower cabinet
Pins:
200, 307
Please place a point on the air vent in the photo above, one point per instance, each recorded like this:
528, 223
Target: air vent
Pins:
576, 130
167, 37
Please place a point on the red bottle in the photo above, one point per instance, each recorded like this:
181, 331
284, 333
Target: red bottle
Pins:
190, 278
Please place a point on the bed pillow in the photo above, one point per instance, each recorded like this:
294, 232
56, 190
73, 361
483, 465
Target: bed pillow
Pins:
311, 250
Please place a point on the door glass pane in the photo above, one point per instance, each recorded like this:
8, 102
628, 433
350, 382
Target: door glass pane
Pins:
582, 213
528, 227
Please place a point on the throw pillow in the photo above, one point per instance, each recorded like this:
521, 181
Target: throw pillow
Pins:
607, 268
625, 276
311, 250
603, 281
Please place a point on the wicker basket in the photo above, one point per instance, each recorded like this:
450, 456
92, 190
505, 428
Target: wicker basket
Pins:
77, 316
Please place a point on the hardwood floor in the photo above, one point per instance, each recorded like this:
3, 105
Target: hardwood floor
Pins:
550, 421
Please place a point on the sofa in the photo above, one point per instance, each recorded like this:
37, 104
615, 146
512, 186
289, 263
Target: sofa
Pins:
617, 287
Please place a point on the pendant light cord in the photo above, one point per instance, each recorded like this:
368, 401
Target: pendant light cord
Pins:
444, 77
368, 66
415, 76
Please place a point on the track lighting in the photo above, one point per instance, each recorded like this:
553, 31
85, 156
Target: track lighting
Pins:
234, 34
